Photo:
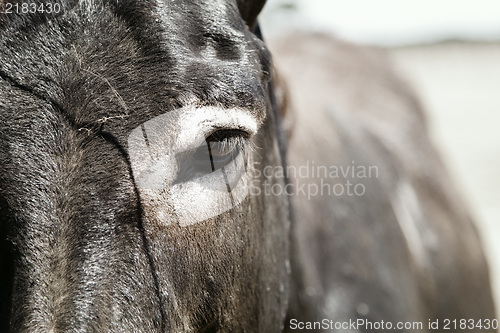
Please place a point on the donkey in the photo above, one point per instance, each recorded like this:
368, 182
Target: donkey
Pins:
386, 238
137, 143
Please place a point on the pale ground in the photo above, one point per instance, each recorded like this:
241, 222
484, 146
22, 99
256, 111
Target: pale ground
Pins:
459, 84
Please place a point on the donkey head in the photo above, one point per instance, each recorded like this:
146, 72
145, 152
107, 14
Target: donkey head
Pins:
131, 135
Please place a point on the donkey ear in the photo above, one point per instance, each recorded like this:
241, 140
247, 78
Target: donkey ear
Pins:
249, 10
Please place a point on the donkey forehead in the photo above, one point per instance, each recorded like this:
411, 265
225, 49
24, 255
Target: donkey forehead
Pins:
204, 52
124, 62
204, 55
210, 29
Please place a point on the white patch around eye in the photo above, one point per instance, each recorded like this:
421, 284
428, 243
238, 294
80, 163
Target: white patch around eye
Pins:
158, 146
196, 123
211, 195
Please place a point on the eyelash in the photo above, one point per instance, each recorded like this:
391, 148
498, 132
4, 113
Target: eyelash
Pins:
222, 147
228, 138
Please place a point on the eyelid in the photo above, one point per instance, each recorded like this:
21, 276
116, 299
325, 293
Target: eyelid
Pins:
198, 123
228, 133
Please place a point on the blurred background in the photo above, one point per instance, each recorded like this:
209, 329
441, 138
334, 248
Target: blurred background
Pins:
449, 51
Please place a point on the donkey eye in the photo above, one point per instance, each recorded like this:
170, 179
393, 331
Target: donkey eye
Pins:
193, 162
218, 151
223, 146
